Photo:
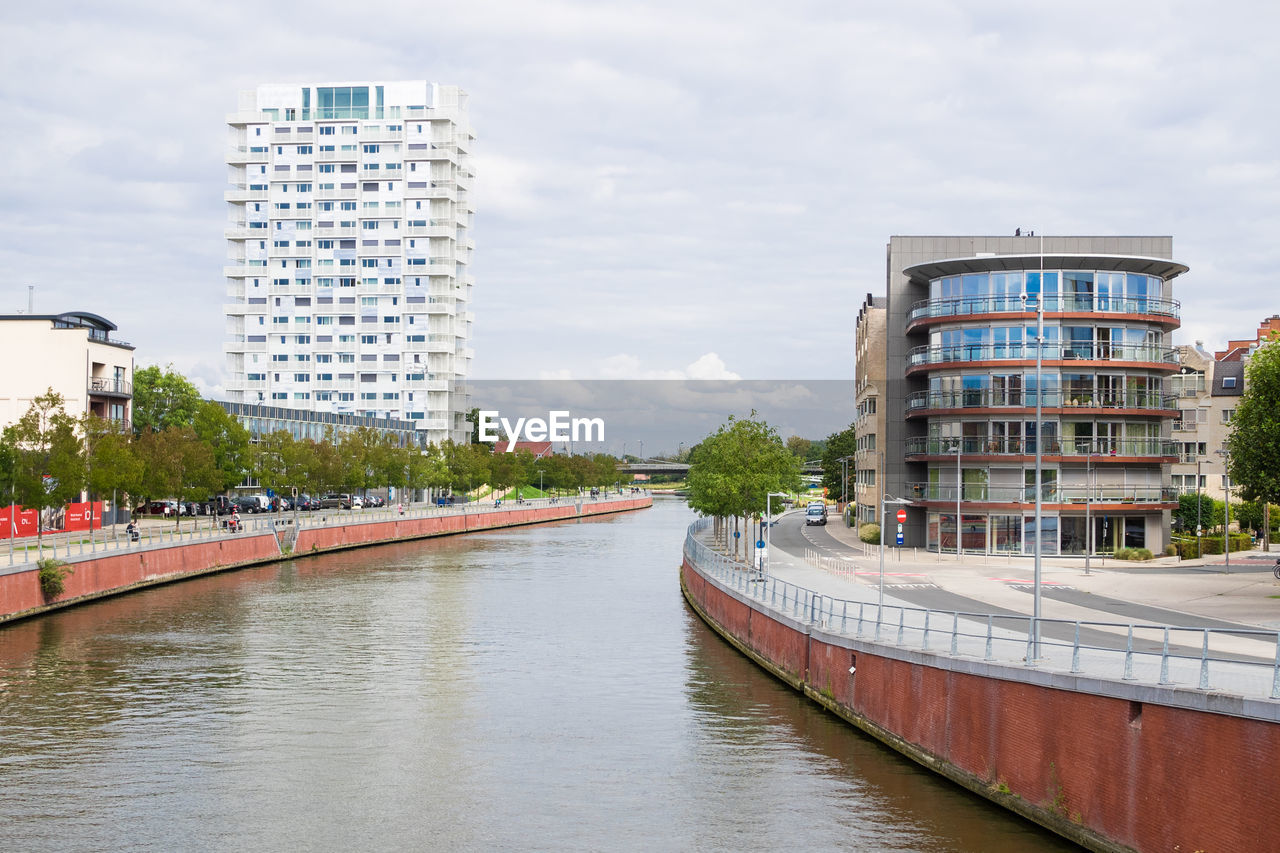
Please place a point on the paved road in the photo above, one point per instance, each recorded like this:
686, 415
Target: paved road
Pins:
1190, 596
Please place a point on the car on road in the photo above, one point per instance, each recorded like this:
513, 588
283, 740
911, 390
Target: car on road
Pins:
335, 502
816, 514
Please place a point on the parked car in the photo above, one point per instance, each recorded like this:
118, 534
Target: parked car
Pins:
375, 501
218, 505
816, 514
252, 504
335, 501
357, 502
166, 508
306, 503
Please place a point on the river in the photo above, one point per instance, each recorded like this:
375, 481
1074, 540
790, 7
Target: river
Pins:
536, 688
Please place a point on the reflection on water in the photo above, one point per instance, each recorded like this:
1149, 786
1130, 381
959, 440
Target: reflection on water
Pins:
536, 688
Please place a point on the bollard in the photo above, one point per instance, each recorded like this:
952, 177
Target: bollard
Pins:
1275, 671
1204, 662
1128, 655
1164, 659
1075, 650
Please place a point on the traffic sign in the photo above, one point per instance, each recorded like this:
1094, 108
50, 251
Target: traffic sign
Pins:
902, 515
759, 543
899, 529
737, 534
899, 538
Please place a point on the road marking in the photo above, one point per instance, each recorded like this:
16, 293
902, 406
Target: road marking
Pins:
1027, 582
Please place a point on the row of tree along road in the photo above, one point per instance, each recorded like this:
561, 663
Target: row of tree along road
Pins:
182, 447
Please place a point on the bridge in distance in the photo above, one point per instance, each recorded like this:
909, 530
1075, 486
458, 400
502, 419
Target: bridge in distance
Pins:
657, 466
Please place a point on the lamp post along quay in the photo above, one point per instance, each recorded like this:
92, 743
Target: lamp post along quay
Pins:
885, 502
1226, 505
1039, 531
768, 525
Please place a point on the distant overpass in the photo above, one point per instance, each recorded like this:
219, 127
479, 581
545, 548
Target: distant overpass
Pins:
681, 468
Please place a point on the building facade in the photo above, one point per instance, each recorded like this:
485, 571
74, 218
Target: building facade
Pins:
349, 216
963, 382
72, 353
1208, 388
869, 423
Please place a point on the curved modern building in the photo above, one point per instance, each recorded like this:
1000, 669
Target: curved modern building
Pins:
967, 364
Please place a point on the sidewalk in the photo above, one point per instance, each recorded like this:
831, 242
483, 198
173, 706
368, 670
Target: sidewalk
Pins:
1249, 595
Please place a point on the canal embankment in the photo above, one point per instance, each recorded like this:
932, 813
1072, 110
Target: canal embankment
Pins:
122, 566
1110, 749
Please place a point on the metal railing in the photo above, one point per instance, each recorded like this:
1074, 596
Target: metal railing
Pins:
1053, 399
986, 493
950, 354
1242, 661
964, 305
65, 545
1156, 448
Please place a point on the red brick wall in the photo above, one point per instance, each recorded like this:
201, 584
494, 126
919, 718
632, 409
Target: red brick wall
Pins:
20, 592
1145, 776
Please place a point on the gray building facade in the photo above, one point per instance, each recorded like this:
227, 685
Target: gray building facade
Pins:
961, 382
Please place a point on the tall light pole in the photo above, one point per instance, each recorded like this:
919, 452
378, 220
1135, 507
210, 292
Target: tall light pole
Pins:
959, 493
768, 523
1035, 604
1088, 501
1199, 548
885, 502
844, 478
1226, 503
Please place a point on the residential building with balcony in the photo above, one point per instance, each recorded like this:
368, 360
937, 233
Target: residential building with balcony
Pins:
72, 353
1208, 388
349, 249
869, 422
962, 383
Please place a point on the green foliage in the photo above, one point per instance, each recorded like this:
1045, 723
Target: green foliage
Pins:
1254, 442
799, 447
838, 445
53, 574
467, 465
1211, 512
1171, 550
869, 533
163, 399
1134, 554
734, 468
49, 460
176, 463
111, 461
228, 440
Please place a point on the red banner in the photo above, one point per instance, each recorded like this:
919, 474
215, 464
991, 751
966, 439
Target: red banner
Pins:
24, 520
82, 516
78, 516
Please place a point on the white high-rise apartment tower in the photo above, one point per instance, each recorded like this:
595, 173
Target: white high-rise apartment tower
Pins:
348, 245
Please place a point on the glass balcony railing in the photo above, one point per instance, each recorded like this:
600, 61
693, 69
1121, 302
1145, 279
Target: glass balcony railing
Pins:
981, 398
1076, 303
1153, 448
1049, 352
1050, 493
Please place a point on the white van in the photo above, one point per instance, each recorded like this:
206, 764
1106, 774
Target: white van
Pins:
816, 514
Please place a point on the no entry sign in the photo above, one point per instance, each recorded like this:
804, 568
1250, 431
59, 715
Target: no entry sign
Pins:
902, 515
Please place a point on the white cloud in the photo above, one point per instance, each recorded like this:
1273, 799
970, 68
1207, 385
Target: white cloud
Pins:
660, 179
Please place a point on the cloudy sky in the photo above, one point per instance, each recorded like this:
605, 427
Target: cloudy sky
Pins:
664, 189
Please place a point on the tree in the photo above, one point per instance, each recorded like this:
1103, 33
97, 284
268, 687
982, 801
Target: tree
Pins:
176, 463
280, 463
467, 464
228, 439
838, 445
734, 469
162, 399
798, 446
1254, 442
49, 465
112, 462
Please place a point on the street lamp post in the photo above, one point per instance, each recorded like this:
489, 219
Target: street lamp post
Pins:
1199, 548
1089, 473
959, 493
885, 502
1226, 503
844, 479
768, 524
1039, 532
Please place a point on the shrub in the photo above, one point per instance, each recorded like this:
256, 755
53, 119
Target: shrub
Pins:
1141, 554
870, 533
1121, 553
52, 573
1171, 550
